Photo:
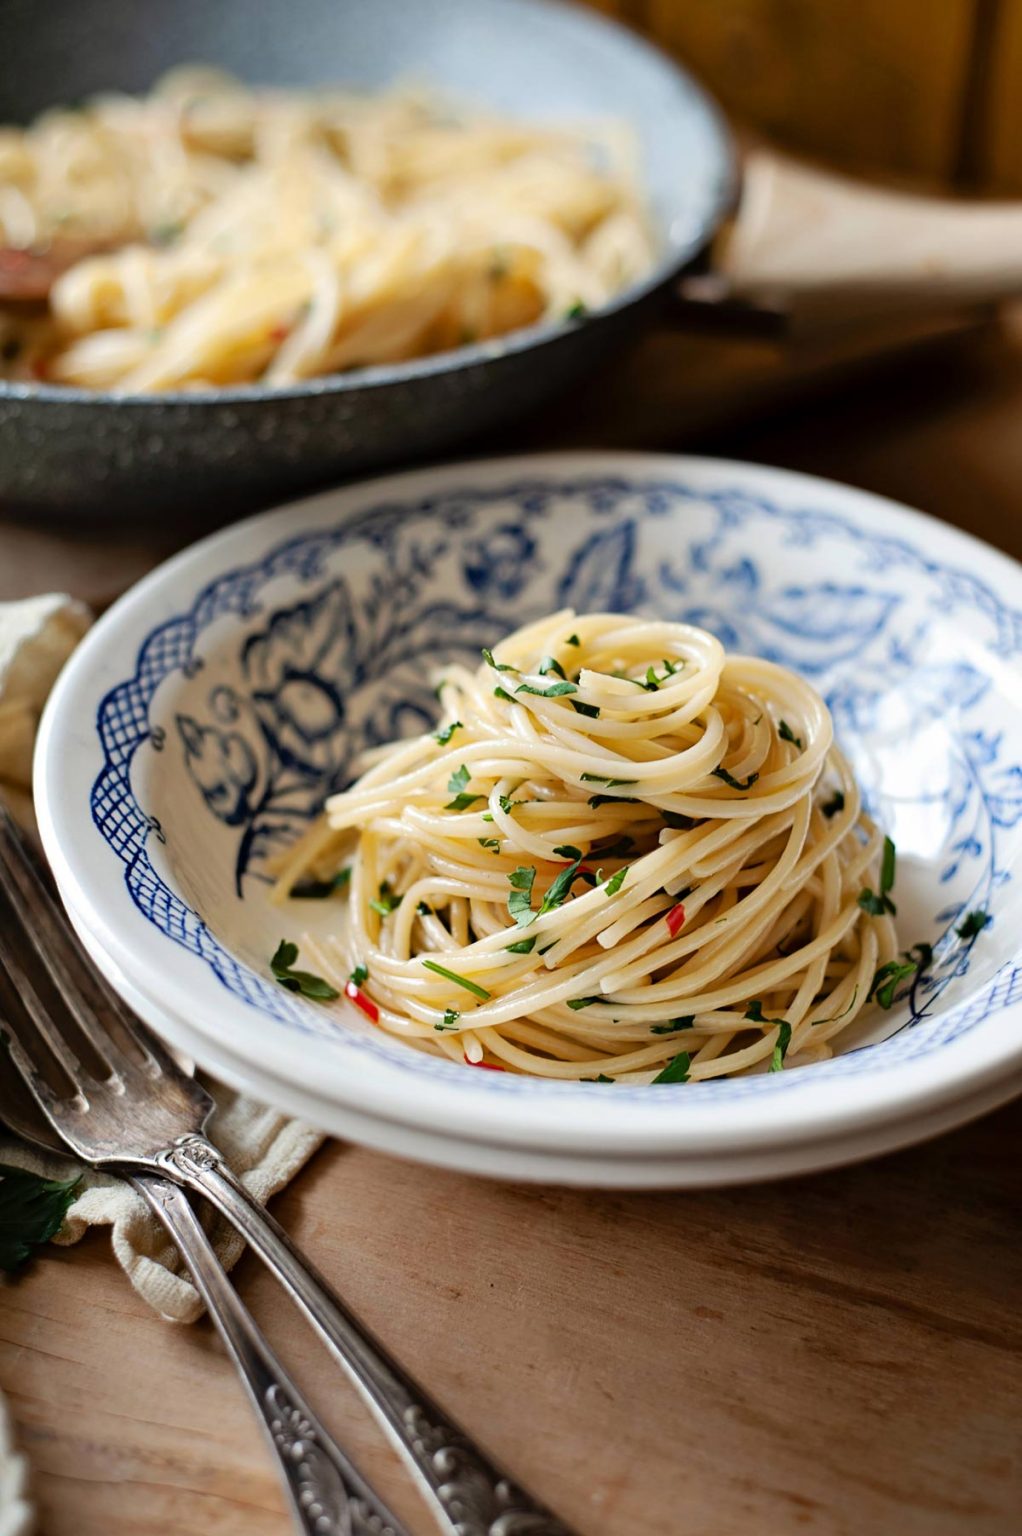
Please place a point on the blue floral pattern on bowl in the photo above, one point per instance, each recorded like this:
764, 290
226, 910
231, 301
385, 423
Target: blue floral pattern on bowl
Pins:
334, 630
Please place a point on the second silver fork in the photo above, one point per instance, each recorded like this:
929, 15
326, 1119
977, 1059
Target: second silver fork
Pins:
148, 1119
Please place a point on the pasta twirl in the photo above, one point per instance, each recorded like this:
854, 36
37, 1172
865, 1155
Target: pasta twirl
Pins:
280, 235
623, 854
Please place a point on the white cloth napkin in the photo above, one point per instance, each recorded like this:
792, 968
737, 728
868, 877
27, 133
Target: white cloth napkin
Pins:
264, 1148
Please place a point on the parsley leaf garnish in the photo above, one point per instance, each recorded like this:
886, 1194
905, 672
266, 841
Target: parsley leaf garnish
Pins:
492, 843
502, 693
673, 1025
551, 691
550, 664
599, 778
456, 784
573, 640
974, 924
31, 1211
560, 888
887, 980
754, 1012
616, 880
592, 710
449, 1020
522, 947
834, 804
677, 821
786, 733
424, 909
732, 782
359, 976
567, 851
676, 1070
461, 981
282, 966
444, 734
318, 890
386, 901
498, 666
887, 867
575, 311
575, 1003
519, 901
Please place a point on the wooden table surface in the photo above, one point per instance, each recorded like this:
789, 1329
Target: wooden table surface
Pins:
835, 1354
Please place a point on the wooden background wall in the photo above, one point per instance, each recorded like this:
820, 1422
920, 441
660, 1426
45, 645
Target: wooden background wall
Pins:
923, 89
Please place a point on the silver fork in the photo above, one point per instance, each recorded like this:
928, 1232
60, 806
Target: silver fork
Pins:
135, 1112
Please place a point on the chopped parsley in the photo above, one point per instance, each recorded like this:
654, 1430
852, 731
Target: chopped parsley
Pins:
676, 1070
732, 782
677, 821
576, 311
616, 880
522, 946
888, 979
598, 800
567, 851
282, 966
781, 1047
754, 1012
551, 664
492, 843
424, 909
460, 981
573, 640
502, 693
786, 733
551, 691
31, 1211
834, 804
359, 976
599, 778
456, 785
575, 1003
386, 901
580, 708
519, 901
600, 1078
318, 890
876, 905
974, 924
498, 666
673, 1025
444, 734
449, 1020
560, 888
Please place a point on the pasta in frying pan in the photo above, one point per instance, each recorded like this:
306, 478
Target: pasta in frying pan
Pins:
277, 235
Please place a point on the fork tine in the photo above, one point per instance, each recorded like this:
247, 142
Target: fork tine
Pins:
56, 954
34, 1015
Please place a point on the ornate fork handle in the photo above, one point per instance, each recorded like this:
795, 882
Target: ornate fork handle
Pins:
469, 1495
327, 1495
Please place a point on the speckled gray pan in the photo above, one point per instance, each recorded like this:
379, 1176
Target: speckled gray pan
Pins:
70, 451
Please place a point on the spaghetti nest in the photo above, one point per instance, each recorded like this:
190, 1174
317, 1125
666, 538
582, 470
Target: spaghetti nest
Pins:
621, 855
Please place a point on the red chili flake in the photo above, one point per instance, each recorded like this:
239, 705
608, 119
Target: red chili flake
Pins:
279, 333
38, 368
361, 1001
675, 920
487, 1066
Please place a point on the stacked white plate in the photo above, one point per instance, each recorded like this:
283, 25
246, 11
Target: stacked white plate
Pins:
201, 720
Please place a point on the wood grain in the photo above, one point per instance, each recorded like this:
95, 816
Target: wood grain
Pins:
864, 83
833, 1355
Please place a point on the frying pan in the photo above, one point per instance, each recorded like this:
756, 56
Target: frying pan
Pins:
838, 249
64, 449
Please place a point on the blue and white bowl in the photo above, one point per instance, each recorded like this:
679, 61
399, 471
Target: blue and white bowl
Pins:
200, 725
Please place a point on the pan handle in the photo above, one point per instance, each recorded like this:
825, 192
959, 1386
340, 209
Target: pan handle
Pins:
816, 251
